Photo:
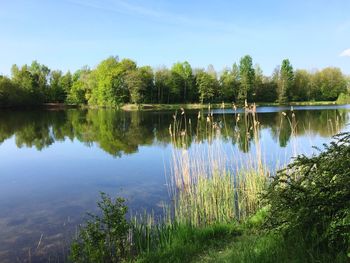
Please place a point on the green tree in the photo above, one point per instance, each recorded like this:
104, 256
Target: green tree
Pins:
286, 81
247, 76
162, 82
66, 83
302, 86
182, 81
79, 88
10, 93
258, 81
330, 82
148, 88
40, 74
133, 80
107, 82
227, 86
265, 89
56, 90
206, 84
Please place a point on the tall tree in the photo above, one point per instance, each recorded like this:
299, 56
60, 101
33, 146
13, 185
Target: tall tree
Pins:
182, 81
302, 86
80, 92
108, 84
247, 76
148, 89
286, 81
206, 84
227, 86
330, 82
40, 75
56, 93
162, 82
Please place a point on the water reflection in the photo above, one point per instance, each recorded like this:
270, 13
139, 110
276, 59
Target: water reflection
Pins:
119, 133
54, 163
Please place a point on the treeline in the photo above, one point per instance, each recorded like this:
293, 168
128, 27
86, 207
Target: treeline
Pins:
114, 82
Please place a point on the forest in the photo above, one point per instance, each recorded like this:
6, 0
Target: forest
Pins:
114, 82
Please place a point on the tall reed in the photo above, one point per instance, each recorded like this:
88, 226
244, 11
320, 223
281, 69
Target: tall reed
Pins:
208, 184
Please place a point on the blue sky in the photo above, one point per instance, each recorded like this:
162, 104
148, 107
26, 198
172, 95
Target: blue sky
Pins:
68, 34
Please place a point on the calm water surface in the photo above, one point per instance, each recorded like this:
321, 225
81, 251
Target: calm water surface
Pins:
53, 164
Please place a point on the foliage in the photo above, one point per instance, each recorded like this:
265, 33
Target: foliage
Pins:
285, 83
343, 98
113, 83
10, 93
312, 196
206, 86
229, 84
162, 83
302, 86
103, 238
330, 82
247, 76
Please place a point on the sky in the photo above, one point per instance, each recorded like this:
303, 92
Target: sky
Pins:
69, 34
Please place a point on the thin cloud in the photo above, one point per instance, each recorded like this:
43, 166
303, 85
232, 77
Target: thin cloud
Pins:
345, 53
343, 28
123, 7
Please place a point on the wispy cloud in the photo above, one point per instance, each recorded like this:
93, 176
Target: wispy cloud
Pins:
345, 53
123, 7
343, 27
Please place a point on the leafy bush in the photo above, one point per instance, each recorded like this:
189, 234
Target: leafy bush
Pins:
312, 197
103, 238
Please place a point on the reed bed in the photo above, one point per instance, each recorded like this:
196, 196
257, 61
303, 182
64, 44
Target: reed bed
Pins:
208, 183
211, 182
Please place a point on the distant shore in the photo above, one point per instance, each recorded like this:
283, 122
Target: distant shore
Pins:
147, 106
132, 107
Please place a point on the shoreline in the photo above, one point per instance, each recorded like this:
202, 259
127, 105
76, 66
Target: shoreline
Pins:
160, 107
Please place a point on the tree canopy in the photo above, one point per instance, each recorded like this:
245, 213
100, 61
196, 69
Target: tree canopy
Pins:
114, 82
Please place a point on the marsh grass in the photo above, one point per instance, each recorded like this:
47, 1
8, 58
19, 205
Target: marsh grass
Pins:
209, 188
210, 183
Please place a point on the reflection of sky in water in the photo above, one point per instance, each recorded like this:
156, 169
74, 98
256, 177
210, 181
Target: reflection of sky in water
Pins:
47, 192
41, 191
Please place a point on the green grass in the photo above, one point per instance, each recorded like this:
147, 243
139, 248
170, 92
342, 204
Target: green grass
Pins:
237, 243
189, 243
267, 248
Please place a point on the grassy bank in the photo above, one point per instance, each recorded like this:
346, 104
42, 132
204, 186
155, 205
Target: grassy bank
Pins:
237, 243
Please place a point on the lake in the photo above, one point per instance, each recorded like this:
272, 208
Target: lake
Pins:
54, 163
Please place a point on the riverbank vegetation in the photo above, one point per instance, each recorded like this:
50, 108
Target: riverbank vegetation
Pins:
230, 209
114, 82
305, 218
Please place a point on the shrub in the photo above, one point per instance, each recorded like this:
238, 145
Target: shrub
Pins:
312, 197
103, 238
